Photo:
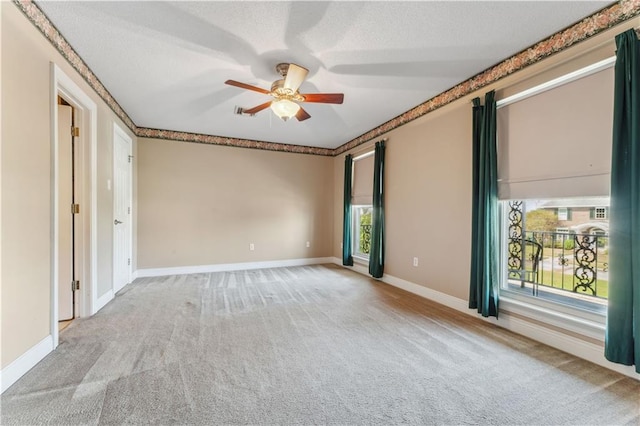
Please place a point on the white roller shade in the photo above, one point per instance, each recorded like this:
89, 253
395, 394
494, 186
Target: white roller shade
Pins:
558, 143
362, 193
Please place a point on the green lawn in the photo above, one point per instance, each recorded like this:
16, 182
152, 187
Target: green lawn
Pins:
565, 281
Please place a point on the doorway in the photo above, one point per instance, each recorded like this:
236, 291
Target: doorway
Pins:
78, 254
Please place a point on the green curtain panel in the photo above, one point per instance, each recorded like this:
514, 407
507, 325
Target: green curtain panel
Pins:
347, 257
376, 252
622, 337
483, 283
476, 263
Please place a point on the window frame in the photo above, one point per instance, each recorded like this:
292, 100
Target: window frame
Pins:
355, 231
562, 316
562, 313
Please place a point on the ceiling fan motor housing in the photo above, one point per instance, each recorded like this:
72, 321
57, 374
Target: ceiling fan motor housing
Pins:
278, 91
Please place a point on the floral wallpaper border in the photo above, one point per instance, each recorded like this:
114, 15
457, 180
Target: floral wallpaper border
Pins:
588, 27
238, 143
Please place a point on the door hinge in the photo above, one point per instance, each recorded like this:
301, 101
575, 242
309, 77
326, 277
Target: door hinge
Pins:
128, 210
75, 131
130, 157
129, 262
75, 285
75, 208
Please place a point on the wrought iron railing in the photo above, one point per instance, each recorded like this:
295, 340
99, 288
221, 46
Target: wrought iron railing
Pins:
365, 238
573, 262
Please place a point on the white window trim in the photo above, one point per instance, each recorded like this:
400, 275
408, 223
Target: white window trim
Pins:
589, 324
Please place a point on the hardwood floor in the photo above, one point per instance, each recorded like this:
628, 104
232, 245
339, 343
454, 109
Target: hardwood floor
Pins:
64, 324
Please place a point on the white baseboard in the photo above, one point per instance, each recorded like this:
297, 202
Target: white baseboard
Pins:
134, 275
102, 301
564, 342
18, 368
439, 297
422, 291
180, 270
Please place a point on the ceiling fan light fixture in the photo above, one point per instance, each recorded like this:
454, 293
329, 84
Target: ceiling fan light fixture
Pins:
284, 108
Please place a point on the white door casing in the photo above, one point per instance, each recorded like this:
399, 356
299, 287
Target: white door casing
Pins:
85, 114
121, 208
65, 219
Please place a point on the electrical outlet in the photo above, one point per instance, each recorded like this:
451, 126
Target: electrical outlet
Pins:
308, 244
252, 247
415, 261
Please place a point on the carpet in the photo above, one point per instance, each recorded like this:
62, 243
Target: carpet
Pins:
305, 345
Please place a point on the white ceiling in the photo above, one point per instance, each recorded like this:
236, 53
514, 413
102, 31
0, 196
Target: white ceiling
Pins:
166, 62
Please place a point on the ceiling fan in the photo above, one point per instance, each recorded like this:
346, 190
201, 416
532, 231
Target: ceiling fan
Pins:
285, 93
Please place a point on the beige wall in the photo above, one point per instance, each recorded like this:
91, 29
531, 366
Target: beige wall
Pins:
204, 204
26, 184
427, 201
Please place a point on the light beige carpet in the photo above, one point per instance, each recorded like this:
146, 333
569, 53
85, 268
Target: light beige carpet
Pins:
305, 345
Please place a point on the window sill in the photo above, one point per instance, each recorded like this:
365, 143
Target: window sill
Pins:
583, 322
361, 260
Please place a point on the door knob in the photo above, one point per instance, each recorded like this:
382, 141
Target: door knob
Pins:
116, 222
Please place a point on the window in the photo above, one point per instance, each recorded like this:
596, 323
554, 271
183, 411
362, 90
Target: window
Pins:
550, 259
567, 265
361, 231
601, 213
563, 213
361, 205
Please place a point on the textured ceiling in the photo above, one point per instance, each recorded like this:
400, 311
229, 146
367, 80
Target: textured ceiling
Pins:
166, 62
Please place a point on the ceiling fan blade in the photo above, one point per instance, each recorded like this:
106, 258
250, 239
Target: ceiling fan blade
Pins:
256, 109
302, 115
324, 98
295, 76
246, 86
